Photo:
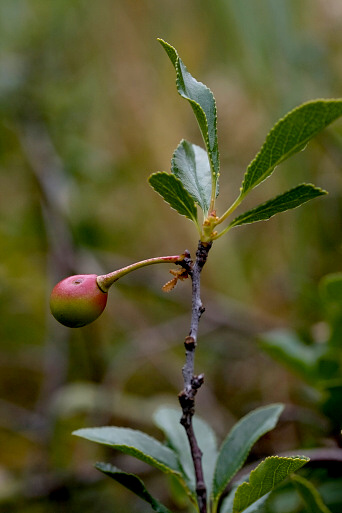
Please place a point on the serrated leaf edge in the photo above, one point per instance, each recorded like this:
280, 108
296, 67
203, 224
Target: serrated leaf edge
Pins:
236, 427
198, 106
284, 157
203, 204
194, 219
246, 484
195, 105
321, 191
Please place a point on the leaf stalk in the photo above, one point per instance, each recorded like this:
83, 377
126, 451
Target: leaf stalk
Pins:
230, 210
208, 231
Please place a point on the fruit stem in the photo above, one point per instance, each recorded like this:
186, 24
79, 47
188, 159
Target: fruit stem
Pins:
106, 280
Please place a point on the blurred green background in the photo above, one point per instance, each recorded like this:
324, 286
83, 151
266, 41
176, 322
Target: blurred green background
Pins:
88, 109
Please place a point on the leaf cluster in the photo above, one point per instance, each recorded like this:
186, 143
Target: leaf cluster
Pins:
194, 178
220, 464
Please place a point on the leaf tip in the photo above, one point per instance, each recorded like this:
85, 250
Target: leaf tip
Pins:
77, 432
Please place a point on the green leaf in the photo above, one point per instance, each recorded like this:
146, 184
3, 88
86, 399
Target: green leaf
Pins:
168, 420
288, 136
203, 104
286, 201
173, 192
227, 503
191, 165
137, 444
239, 442
286, 347
331, 288
256, 507
264, 478
132, 483
310, 495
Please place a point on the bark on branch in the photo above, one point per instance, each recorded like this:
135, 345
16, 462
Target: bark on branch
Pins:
192, 382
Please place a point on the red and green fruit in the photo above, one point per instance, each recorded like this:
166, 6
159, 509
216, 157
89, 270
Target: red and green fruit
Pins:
77, 300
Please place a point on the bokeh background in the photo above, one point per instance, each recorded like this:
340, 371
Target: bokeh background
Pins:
88, 109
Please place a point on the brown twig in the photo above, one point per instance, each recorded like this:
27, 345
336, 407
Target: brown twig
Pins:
192, 382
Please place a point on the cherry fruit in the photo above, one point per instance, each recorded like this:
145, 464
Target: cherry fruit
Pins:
77, 300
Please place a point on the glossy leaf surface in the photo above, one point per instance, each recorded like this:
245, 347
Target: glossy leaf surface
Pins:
256, 507
203, 104
134, 443
191, 165
286, 201
236, 446
288, 136
264, 478
173, 192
